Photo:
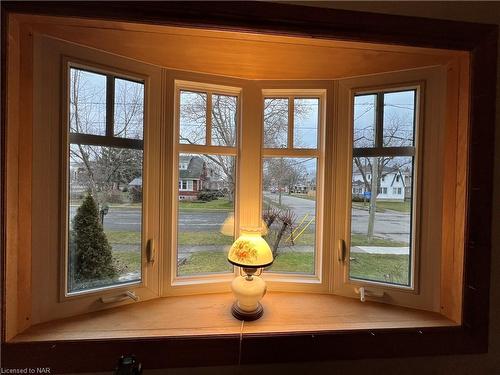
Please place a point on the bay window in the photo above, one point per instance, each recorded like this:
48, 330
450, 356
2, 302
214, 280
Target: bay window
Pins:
144, 174
365, 235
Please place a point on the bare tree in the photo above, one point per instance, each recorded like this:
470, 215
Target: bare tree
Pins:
398, 132
276, 120
283, 173
102, 170
283, 221
224, 119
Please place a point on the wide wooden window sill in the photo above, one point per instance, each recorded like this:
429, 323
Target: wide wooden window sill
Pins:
209, 315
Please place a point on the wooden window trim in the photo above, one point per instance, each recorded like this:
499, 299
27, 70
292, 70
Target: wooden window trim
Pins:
471, 337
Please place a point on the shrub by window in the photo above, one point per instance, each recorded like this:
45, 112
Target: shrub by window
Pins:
90, 249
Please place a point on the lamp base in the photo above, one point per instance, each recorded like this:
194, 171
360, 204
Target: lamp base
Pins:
248, 316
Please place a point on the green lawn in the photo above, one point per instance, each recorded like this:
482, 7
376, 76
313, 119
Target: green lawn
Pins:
184, 238
216, 261
203, 238
127, 261
307, 238
382, 206
362, 240
217, 204
123, 237
292, 261
389, 268
380, 267
216, 238
205, 262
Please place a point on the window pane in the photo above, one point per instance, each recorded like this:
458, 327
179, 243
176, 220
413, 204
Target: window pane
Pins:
289, 211
193, 117
364, 121
381, 229
306, 121
105, 216
224, 119
205, 218
87, 102
275, 122
399, 118
129, 109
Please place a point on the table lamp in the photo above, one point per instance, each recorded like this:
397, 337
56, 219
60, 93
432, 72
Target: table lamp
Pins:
250, 252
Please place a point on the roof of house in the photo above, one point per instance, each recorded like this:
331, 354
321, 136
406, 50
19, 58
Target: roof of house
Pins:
386, 170
194, 169
136, 182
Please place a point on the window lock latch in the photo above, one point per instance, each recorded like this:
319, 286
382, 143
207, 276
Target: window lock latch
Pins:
341, 251
150, 251
363, 293
120, 297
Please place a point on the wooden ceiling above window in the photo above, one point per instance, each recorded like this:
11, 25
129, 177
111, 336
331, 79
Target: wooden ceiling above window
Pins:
236, 54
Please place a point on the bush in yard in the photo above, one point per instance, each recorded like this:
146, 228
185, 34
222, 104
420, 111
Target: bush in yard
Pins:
114, 196
207, 195
135, 194
93, 258
360, 198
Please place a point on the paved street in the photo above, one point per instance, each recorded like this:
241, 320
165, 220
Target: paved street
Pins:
390, 224
118, 219
196, 221
129, 220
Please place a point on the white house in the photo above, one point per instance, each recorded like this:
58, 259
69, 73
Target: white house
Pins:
395, 183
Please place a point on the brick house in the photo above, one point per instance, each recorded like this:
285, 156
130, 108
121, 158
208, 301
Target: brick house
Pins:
193, 176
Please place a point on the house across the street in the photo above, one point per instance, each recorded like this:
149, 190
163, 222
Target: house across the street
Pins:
395, 183
194, 175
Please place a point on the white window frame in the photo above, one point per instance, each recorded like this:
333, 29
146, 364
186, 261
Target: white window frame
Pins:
333, 175
183, 81
319, 280
104, 141
187, 183
50, 127
430, 86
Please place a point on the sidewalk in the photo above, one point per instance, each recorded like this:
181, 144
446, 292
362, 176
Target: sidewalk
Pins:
381, 250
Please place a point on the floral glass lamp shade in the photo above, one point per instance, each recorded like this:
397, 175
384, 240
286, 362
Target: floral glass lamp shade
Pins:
250, 252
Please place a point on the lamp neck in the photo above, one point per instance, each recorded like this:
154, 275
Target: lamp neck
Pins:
249, 272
